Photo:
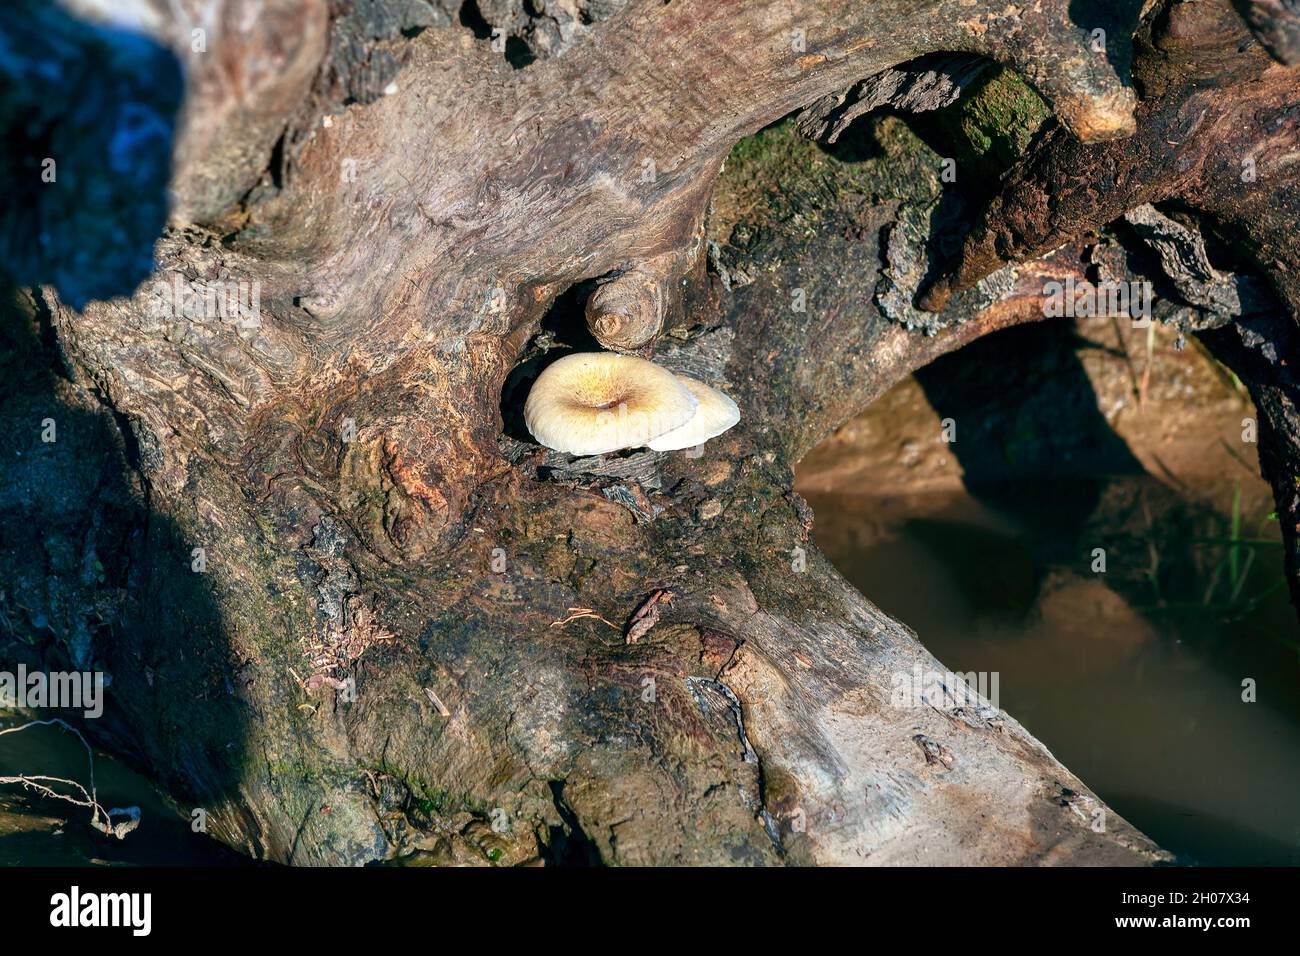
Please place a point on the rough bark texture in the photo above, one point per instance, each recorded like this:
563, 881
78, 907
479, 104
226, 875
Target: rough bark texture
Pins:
409, 632
1217, 129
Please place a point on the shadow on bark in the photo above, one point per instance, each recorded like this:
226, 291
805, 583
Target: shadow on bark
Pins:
1018, 463
88, 115
1034, 446
90, 580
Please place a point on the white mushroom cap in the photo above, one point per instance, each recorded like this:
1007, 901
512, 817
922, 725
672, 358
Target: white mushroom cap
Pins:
713, 416
597, 402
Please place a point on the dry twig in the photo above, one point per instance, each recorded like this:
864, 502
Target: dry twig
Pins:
100, 818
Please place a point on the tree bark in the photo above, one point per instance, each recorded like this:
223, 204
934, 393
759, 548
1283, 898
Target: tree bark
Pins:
407, 627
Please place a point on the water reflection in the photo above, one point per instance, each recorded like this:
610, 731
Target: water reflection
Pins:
40, 831
1136, 690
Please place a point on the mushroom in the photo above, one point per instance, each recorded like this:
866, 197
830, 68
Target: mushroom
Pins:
713, 416
591, 403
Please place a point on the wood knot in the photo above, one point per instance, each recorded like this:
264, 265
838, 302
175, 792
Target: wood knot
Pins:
627, 312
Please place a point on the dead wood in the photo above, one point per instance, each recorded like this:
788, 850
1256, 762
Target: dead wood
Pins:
400, 638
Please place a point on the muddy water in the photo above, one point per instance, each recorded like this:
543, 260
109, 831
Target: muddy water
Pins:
1142, 702
1132, 676
40, 831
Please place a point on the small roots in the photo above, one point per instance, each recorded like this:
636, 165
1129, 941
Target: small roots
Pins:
100, 818
579, 613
